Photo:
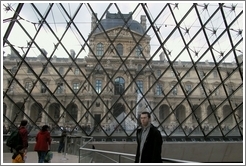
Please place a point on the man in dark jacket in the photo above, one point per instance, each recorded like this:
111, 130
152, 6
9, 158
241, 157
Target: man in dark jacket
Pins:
24, 134
149, 141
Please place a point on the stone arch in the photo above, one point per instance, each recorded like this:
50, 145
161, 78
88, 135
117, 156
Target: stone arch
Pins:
196, 113
164, 112
239, 112
4, 110
180, 113
54, 111
18, 112
36, 112
211, 114
227, 111
72, 113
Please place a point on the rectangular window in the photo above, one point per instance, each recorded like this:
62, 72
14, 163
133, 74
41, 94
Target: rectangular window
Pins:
98, 86
158, 90
158, 73
139, 86
188, 88
174, 91
28, 86
138, 51
59, 89
119, 49
75, 87
76, 71
99, 49
43, 88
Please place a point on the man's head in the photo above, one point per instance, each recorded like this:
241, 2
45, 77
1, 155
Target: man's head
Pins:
23, 123
145, 118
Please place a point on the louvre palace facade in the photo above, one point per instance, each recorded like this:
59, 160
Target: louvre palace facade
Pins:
103, 93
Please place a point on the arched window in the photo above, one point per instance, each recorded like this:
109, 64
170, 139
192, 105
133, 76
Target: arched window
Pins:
99, 51
119, 49
119, 86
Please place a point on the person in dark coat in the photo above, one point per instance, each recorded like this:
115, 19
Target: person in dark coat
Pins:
62, 141
24, 134
43, 141
149, 141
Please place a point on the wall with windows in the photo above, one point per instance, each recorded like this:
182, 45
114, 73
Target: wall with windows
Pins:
103, 93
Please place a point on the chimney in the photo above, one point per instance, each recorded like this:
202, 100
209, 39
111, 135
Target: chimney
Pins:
93, 21
143, 21
162, 56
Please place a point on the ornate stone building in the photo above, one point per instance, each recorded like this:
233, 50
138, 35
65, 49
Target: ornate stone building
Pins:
102, 93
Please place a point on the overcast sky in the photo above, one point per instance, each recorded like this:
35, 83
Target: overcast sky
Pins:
72, 40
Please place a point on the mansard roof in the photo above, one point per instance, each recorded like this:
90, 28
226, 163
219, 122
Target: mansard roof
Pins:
114, 20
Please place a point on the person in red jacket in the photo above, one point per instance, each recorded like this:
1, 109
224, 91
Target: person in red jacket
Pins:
43, 141
24, 134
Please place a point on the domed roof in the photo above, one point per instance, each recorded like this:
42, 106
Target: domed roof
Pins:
115, 20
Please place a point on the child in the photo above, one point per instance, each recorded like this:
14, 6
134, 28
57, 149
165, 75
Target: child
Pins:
18, 156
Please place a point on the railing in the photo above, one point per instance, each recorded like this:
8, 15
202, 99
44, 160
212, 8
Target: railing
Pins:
101, 156
79, 145
73, 144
